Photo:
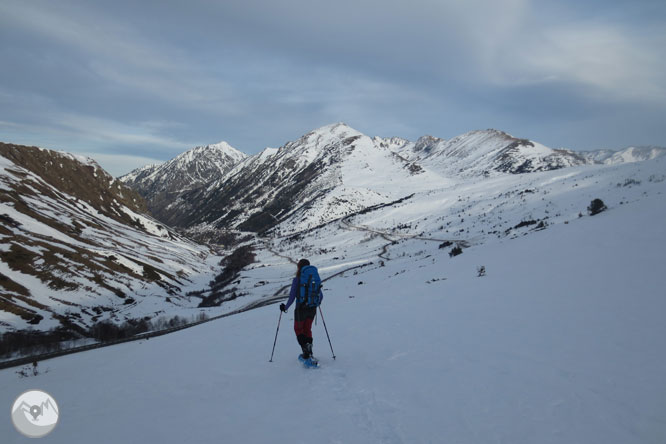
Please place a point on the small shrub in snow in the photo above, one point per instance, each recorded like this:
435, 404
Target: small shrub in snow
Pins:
596, 207
455, 251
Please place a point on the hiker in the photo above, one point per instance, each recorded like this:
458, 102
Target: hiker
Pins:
306, 308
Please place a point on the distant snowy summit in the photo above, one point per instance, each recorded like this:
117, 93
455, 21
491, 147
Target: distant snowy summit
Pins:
336, 170
193, 166
162, 184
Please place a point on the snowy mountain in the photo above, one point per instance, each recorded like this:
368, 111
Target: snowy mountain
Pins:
78, 247
165, 185
336, 171
326, 174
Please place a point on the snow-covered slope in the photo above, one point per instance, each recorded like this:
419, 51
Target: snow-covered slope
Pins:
164, 185
77, 247
559, 343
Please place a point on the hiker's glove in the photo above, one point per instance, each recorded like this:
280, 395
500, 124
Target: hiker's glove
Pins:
283, 308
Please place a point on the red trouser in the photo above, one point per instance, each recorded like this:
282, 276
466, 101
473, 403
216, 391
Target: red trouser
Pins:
303, 317
304, 327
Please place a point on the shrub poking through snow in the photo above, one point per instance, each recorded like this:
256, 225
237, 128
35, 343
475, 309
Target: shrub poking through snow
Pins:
596, 207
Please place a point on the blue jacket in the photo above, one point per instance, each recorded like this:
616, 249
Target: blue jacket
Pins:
294, 292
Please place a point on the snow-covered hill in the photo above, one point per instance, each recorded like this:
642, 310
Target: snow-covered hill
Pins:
558, 343
165, 186
78, 247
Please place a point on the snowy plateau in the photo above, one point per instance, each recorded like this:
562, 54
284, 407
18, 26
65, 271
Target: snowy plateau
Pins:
559, 340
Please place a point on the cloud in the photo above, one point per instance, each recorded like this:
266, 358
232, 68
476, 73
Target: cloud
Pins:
603, 60
110, 132
611, 59
92, 134
121, 57
150, 78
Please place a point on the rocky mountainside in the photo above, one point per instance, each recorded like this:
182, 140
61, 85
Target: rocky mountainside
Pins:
78, 247
164, 185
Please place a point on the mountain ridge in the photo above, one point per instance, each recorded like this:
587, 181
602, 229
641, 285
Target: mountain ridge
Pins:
267, 188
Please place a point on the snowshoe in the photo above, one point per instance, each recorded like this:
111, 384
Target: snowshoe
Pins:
310, 362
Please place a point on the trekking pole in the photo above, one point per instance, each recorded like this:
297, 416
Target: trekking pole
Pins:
329, 338
276, 333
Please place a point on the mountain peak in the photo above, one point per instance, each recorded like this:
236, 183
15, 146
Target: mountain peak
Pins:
338, 130
222, 144
312, 144
220, 149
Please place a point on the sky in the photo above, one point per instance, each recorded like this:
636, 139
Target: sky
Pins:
130, 83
